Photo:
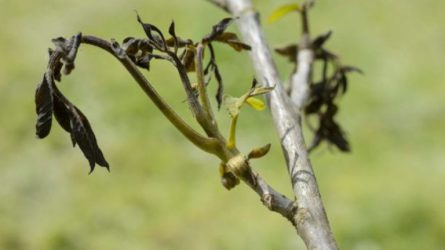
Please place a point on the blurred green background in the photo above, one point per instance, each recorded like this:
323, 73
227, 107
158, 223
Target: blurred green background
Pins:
162, 192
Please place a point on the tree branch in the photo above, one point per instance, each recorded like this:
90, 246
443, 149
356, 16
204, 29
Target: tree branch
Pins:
204, 143
272, 199
309, 217
300, 80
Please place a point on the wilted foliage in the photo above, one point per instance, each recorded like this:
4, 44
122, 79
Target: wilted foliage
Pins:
184, 54
332, 84
50, 101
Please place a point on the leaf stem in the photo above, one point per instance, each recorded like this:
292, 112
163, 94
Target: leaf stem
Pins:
232, 134
201, 83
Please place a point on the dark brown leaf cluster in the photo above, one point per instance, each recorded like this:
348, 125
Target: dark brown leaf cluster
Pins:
51, 102
324, 93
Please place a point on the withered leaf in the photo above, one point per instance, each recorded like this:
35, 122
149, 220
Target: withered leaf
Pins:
44, 108
343, 83
172, 32
153, 33
130, 45
319, 41
289, 51
217, 29
232, 40
62, 113
83, 135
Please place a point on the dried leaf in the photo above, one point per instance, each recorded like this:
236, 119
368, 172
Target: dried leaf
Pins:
217, 30
172, 32
130, 46
83, 135
153, 33
62, 113
289, 51
44, 108
232, 40
319, 41
282, 11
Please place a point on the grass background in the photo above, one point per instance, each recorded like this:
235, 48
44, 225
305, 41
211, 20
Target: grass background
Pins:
162, 192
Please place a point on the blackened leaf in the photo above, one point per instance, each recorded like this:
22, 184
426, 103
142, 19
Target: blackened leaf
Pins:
337, 137
314, 106
172, 32
254, 83
83, 135
343, 83
171, 29
62, 113
149, 30
218, 29
232, 40
325, 54
130, 45
319, 41
143, 62
289, 51
44, 108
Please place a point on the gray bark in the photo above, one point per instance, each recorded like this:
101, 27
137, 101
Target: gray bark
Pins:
309, 217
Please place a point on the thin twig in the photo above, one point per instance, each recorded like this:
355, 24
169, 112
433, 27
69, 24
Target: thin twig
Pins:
204, 143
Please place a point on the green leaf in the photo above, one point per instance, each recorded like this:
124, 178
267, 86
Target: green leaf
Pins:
283, 10
255, 103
